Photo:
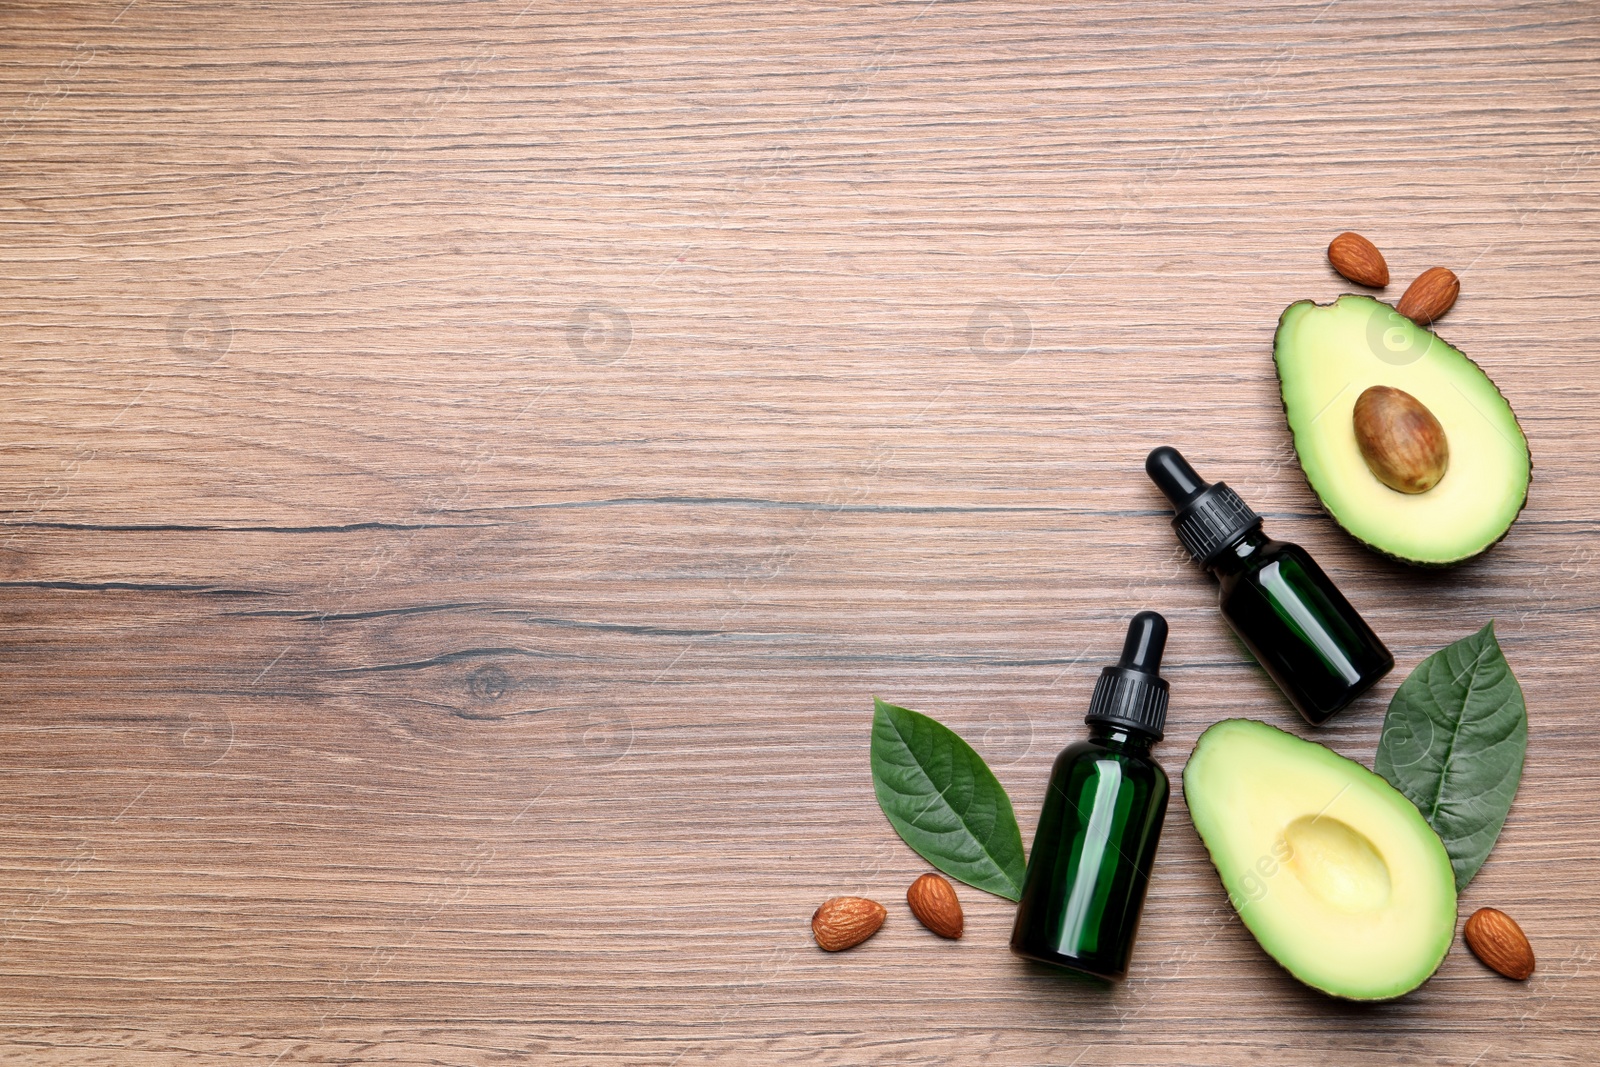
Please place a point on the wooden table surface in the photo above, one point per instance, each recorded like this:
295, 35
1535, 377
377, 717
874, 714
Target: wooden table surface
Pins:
468, 466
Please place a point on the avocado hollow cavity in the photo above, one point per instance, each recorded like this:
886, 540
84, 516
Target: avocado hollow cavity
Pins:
1337, 864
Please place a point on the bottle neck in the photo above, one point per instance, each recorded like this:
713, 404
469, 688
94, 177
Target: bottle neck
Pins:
1241, 555
1120, 738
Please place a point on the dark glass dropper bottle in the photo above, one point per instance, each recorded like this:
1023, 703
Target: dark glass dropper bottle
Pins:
1284, 608
1101, 821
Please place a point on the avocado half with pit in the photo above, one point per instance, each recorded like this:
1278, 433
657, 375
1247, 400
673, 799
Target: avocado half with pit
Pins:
1334, 871
1328, 356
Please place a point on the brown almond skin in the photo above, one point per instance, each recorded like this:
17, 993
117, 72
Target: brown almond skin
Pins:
1358, 259
845, 922
933, 901
1430, 296
1402, 442
1496, 939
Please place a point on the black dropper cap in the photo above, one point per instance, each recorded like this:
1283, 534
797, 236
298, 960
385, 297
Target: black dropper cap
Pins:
1209, 517
1133, 695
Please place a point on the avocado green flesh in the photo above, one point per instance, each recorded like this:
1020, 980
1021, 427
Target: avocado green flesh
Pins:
1335, 872
1327, 355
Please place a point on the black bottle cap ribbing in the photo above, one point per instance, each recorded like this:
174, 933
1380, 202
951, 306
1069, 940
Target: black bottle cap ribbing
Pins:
1133, 695
1209, 517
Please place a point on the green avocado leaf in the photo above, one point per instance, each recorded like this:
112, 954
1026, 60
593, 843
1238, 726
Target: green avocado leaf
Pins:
944, 801
1453, 742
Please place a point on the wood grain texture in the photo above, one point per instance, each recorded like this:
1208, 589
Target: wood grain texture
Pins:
468, 466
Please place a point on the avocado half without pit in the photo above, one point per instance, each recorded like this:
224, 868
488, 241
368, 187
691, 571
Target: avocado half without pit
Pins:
1407, 443
1334, 871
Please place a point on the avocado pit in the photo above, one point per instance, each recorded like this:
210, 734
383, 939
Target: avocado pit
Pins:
1401, 440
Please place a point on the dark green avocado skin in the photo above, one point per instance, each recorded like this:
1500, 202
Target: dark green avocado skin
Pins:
1367, 544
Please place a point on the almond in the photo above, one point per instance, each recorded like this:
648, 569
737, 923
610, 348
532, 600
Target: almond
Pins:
1358, 259
1430, 296
933, 901
1402, 442
845, 922
1496, 939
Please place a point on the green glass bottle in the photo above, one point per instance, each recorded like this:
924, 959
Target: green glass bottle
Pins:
1097, 835
1283, 606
